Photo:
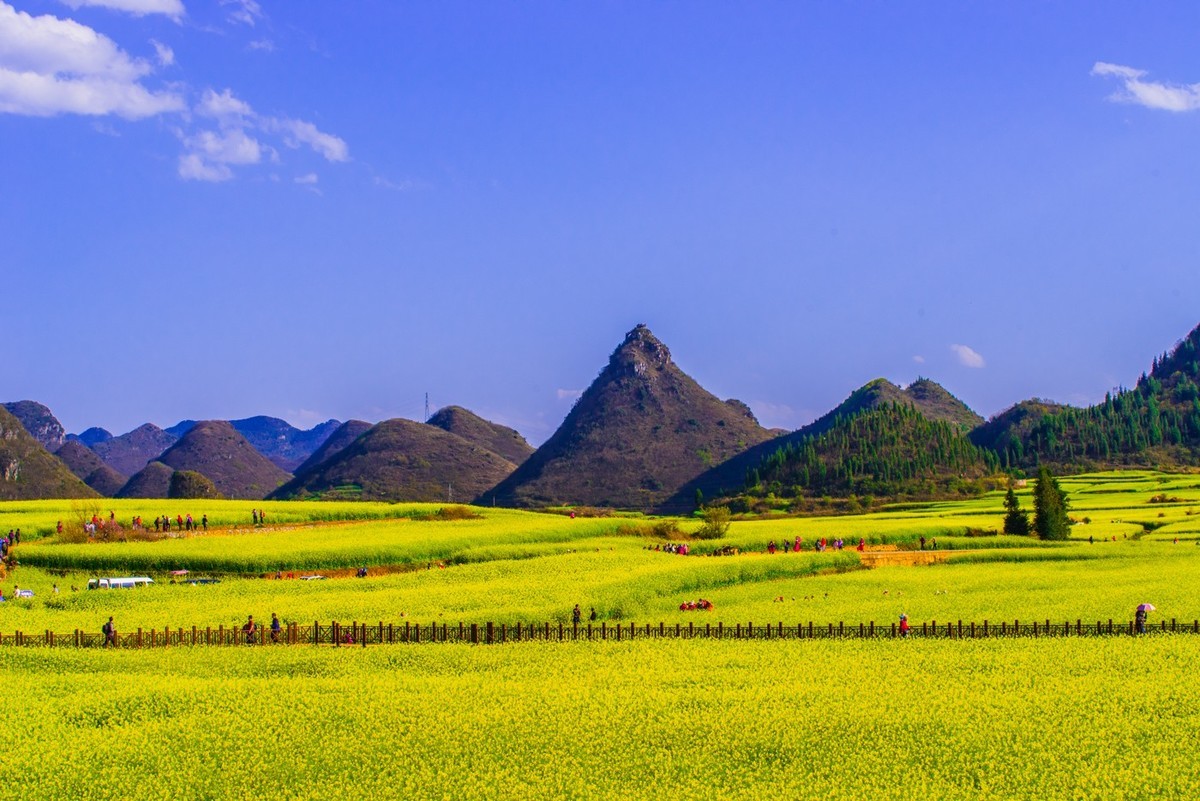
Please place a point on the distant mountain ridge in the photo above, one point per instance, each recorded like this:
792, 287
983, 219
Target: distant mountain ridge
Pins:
345, 434
28, 471
496, 438
215, 449
402, 460
130, 452
642, 429
40, 422
278, 440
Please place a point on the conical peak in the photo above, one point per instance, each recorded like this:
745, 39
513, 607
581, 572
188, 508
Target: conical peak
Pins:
641, 349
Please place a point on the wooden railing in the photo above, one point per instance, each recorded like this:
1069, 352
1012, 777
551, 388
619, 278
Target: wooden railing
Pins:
363, 634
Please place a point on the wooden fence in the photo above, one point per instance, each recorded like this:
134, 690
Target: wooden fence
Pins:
363, 634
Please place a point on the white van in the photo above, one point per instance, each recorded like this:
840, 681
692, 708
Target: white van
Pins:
126, 583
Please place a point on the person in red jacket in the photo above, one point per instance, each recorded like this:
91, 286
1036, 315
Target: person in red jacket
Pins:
904, 625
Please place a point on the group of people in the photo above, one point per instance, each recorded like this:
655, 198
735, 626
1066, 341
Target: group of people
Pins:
251, 630
702, 604
258, 516
680, 548
790, 546
577, 615
162, 524
7, 542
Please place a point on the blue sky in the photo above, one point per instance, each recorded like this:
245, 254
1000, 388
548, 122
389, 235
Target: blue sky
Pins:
311, 210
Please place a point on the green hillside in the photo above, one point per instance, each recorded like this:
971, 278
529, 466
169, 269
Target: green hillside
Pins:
890, 450
1156, 423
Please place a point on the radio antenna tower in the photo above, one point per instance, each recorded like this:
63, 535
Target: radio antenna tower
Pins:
426, 407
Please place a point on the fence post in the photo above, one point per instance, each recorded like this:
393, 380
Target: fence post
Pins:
491, 633
738, 633
985, 627
841, 629
720, 630
872, 629
474, 634
1172, 626
972, 629
860, 630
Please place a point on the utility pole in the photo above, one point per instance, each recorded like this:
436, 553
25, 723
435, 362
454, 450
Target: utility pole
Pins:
426, 407
450, 493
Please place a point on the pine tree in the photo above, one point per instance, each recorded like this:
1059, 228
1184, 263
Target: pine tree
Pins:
1050, 520
1016, 520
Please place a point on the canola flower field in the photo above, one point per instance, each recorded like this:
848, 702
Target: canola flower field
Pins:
1047, 719
1096, 718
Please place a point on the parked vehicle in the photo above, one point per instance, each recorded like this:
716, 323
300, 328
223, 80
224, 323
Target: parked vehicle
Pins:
121, 583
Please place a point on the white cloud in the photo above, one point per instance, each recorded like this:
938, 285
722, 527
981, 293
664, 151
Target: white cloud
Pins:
245, 12
194, 168
226, 147
164, 54
568, 394
172, 8
298, 132
967, 357
235, 118
224, 107
1151, 94
262, 45
51, 66
919, 359
307, 179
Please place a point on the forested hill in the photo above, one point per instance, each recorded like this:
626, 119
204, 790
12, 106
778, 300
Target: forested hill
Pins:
1157, 423
889, 450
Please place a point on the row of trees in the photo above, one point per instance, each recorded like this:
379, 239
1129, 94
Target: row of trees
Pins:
1050, 520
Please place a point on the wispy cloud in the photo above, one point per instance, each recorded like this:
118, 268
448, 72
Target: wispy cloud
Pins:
1151, 94
208, 154
298, 132
308, 179
967, 356
244, 12
51, 66
568, 394
261, 45
919, 359
171, 8
164, 54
